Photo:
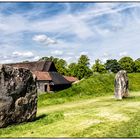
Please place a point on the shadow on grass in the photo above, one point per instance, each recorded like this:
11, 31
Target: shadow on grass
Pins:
132, 98
13, 124
40, 117
113, 99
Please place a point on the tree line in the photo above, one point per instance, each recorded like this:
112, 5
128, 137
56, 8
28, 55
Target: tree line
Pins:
82, 69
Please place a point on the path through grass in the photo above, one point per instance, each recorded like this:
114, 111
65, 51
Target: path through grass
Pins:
94, 117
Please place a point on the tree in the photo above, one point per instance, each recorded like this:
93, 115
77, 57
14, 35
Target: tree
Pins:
44, 58
137, 65
61, 66
82, 68
83, 60
51, 58
112, 65
98, 67
72, 69
127, 63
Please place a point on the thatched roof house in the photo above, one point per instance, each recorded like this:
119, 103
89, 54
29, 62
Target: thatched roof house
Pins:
36, 66
48, 79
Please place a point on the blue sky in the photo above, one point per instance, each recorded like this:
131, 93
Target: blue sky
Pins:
29, 31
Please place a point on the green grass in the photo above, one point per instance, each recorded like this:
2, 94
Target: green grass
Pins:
132, 128
134, 81
95, 86
87, 109
94, 117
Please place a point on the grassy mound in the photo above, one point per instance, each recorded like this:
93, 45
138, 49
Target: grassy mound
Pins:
96, 85
134, 81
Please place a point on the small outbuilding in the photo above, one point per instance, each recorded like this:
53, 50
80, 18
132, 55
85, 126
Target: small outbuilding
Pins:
48, 79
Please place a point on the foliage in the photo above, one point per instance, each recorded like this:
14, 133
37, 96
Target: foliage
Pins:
79, 70
72, 69
83, 60
82, 68
134, 81
137, 65
61, 66
83, 71
51, 58
127, 63
112, 65
98, 67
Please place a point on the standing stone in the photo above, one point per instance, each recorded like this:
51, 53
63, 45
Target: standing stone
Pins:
18, 95
121, 84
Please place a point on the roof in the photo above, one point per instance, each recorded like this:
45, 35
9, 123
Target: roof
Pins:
71, 79
36, 65
55, 77
42, 75
58, 78
44, 70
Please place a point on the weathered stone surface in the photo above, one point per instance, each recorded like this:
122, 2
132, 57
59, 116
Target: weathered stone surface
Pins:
121, 84
18, 95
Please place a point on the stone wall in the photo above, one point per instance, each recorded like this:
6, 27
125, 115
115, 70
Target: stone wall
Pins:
41, 86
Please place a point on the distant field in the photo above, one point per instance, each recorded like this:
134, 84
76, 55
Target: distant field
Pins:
84, 111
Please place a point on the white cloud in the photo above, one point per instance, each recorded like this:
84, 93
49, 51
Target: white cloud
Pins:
84, 53
57, 52
69, 59
40, 38
70, 53
22, 54
123, 54
102, 27
4, 61
104, 60
18, 56
44, 39
106, 54
36, 58
105, 57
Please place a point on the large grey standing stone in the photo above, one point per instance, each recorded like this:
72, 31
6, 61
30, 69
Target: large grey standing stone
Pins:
18, 95
121, 84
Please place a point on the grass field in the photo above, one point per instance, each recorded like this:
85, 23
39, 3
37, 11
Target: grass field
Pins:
94, 117
78, 112
96, 86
